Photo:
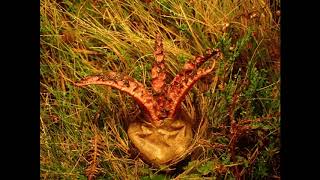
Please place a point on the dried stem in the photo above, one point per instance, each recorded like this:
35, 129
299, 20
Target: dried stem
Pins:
94, 168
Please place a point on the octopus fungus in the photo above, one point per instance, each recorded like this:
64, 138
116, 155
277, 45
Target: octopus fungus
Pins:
163, 135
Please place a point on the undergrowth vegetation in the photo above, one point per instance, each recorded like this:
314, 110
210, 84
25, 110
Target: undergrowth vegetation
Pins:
236, 108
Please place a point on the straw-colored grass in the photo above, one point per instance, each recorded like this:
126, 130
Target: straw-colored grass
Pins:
83, 131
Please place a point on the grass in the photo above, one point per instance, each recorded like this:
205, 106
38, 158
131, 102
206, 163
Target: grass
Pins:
83, 131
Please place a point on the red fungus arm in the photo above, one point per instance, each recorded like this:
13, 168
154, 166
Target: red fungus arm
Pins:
185, 80
158, 72
126, 84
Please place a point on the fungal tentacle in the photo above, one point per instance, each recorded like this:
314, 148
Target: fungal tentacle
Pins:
167, 137
185, 80
166, 98
125, 84
158, 72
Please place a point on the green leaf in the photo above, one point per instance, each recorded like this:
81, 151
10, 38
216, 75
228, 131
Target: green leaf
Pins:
145, 178
206, 168
145, 170
191, 164
82, 177
182, 58
183, 27
159, 177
